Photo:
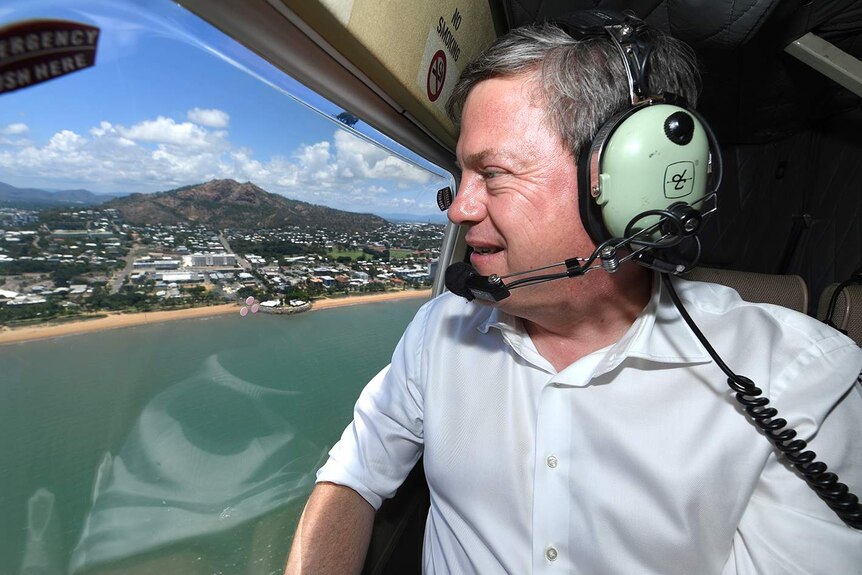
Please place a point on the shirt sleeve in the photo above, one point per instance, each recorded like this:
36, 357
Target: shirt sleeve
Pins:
786, 528
385, 439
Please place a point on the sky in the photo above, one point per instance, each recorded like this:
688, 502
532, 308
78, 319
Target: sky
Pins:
173, 102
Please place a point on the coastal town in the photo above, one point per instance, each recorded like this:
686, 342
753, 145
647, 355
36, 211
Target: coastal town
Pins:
68, 263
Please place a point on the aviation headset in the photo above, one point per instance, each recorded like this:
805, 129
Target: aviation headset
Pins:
647, 161
655, 154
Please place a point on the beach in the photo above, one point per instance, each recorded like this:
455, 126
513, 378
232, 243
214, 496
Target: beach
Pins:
117, 320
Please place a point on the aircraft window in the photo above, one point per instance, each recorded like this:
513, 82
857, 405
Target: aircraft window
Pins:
132, 443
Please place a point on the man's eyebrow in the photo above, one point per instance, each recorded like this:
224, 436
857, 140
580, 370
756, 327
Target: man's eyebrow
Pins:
473, 159
482, 156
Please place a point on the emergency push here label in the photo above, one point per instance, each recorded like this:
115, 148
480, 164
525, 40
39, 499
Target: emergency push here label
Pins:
35, 51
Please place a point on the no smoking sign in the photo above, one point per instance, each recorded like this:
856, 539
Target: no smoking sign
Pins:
436, 76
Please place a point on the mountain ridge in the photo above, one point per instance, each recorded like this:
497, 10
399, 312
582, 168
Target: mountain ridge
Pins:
227, 203
13, 196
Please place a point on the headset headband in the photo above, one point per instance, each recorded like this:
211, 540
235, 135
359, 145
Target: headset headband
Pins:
629, 35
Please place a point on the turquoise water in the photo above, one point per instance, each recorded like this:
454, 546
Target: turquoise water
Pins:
183, 447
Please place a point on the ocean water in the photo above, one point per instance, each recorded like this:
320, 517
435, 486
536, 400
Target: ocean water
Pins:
182, 447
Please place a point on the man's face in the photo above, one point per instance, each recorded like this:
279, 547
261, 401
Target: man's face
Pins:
518, 191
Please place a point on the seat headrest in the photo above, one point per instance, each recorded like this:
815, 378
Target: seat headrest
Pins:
788, 291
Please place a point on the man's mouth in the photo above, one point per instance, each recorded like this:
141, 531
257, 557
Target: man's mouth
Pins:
485, 251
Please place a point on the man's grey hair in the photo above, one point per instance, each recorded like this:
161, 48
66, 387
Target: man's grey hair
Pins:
583, 83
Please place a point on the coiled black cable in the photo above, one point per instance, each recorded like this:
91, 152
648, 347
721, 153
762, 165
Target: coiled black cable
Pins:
815, 473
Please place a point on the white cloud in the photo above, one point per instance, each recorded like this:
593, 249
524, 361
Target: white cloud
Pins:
14, 135
107, 132
103, 129
314, 157
166, 131
157, 154
212, 118
66, 141
357, 157
15, 129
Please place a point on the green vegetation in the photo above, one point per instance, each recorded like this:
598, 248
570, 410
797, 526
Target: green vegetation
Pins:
22, 249
61, 272
274, 249
399, 254
19, 314
257, 294
125, 299
343, 255
376, 253
60, 218
75, 273
26, 267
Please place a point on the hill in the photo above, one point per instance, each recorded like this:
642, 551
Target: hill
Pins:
35, 198
223, 204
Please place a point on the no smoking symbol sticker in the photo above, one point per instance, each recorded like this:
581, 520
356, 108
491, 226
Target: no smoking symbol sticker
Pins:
436, 75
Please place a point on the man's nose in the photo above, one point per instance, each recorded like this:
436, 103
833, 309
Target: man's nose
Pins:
468, 207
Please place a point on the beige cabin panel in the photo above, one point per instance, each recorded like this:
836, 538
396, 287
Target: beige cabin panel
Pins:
413, 52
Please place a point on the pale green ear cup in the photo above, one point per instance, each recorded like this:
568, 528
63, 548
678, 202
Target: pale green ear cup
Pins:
642, 168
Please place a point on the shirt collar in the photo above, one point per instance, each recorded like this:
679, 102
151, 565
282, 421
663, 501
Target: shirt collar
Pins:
516, 337
659, 334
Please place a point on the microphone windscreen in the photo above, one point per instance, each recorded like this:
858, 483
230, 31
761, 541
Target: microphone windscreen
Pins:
457, 276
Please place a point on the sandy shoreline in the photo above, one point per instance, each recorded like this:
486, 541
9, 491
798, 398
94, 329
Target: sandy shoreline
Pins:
116, 320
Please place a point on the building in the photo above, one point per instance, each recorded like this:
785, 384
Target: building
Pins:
68, 234
148, 263
179, 277
213, 259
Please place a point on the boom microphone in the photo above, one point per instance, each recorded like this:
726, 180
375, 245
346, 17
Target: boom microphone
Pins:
456, 279
463, 280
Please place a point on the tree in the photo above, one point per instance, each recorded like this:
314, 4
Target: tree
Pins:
247, 291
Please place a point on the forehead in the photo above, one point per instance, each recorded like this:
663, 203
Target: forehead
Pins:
505, 96
504, 116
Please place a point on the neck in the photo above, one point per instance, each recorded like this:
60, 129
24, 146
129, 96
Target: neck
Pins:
595, 315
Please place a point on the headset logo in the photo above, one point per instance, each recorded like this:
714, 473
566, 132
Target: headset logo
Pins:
678, 180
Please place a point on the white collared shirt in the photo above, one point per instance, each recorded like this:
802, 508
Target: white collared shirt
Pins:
633, 460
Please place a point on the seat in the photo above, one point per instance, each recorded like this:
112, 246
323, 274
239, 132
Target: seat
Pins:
789, 291
847, 315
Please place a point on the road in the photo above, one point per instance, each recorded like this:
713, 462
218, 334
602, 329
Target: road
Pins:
242, 262
120, 276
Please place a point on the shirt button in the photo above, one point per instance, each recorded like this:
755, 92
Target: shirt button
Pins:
551, 554
552, 462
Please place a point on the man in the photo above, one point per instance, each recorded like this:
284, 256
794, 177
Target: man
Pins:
578, 426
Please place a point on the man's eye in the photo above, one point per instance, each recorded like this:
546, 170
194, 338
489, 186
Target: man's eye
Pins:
489, 174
